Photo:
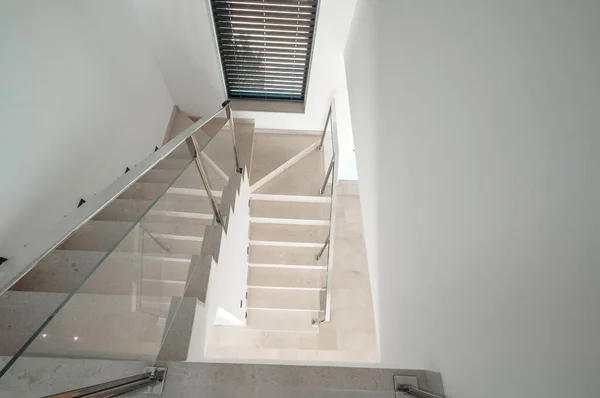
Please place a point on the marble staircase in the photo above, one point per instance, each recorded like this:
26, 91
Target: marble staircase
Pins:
132, 297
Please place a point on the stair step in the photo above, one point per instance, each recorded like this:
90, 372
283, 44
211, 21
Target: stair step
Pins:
281, 320
173, 164
190, 178
106, 325
276, 299
162, 288
151, 191
290, 210
132, 209
286, 278
62, 271
289, 233
303, 178
285, 257
103, 235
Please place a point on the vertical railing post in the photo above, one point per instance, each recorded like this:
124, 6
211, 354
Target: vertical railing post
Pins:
323, 248
325, 129
329, 170
227, 106
193, 144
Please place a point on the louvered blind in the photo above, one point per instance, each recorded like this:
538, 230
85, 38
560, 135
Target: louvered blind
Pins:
265, 46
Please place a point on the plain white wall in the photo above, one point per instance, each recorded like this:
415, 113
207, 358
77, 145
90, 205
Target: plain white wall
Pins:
180, 33
81, 98
360, 58
476, 125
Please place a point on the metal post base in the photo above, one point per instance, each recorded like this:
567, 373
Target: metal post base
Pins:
408, 387
159, 385
400, 383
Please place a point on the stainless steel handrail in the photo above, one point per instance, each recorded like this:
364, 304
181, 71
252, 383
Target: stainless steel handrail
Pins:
227, 106
28, 256
412, 391
329, 170
119, 387
330, 241
193, 143
325, 129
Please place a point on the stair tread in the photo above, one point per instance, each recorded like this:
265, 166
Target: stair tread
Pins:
152, 190
111, 331
303, 256
290, 210
286, 278
282, 320
133, 209
288, 233
275, 299
103, 235
190, 178
62, 271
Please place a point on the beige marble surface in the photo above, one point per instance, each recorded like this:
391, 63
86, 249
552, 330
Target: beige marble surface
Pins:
349, 337
35, 377
303, 178
273, 150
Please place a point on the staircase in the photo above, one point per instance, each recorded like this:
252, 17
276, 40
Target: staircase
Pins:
151, 275
289, 225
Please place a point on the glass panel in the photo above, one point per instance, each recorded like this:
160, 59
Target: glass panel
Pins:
122, 286
112, 289
83, 299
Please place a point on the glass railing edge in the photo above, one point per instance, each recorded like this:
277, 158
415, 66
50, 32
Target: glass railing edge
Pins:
28, 256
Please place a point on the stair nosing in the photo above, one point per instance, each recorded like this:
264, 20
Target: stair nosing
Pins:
289, 221
287, 266
285, 244
264, 197
282, 309
315, 289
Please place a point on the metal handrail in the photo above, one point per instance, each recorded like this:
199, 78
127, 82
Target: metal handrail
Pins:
28, 256
329, 242
152, 376
412, 391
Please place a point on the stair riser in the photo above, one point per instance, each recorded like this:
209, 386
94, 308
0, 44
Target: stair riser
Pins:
283, 255
283, 320
288, 233
290, 210
301, 300
286, 278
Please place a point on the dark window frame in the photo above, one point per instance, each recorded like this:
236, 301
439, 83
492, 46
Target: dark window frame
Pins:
265, 47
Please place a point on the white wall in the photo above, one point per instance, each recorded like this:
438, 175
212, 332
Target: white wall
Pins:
476, 127
81, 98
181, 36
360, 57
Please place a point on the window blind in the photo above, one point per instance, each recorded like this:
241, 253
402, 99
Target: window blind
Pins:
265, 46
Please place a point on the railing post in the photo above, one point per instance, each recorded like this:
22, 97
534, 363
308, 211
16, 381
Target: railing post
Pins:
324, 247
204, 176
325, 129
227, 106
329, 170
